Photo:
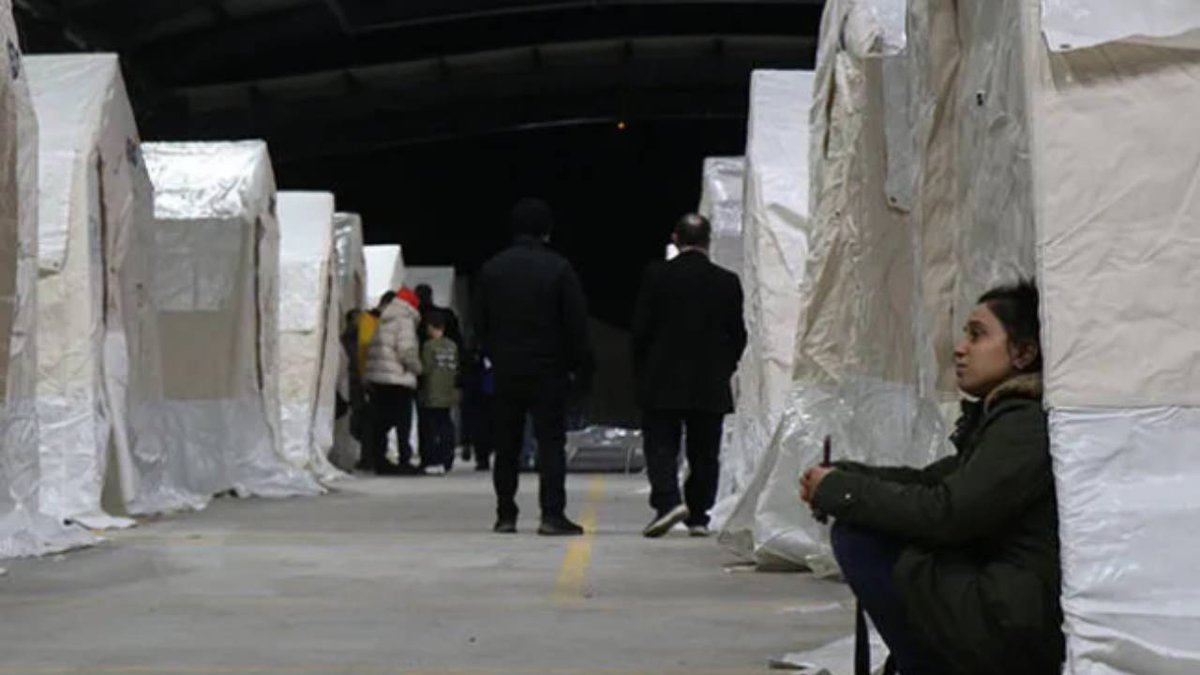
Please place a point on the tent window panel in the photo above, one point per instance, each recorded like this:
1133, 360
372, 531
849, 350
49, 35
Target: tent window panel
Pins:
206, 347
196, 264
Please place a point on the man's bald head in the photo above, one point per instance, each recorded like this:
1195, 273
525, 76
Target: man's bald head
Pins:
693, 231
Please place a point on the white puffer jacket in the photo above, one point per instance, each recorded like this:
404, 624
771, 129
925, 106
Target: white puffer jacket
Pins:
394, 355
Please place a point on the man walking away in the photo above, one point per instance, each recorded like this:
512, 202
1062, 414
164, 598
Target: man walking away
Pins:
688, 336
531, 318
439, 394
393, 365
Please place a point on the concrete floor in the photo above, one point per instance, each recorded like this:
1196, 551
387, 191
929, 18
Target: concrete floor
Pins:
403, 575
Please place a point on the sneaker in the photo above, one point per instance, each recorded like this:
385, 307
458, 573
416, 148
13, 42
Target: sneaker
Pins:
663, 523
698, 531
505, 526
559, 526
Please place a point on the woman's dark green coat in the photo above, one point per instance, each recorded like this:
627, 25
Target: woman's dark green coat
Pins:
980, 577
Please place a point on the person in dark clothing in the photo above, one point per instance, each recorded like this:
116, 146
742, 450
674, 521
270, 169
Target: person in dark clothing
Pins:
958, 564
428, 307
530, 316
477, 398
688, 336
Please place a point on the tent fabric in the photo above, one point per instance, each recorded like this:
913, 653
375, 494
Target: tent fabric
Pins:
352, 278
1115, 164
215, 287
440, 279
97, 353
309, 290
872, 360
721, 202
776, 231
385, 270
1080, 24
25, 530
352, 266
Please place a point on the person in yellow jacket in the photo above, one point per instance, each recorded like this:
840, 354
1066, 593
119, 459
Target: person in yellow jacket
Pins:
367, 323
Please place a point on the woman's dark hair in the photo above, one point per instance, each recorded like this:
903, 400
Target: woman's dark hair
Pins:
1016, 306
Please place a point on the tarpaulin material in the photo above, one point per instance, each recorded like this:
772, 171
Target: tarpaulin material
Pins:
440, 279
878, 285
308, 330
215, 286
24, 529
98, 376
352, 266
352, 277
1078, 24
721, 196
385, 270
776, 231
1116, 165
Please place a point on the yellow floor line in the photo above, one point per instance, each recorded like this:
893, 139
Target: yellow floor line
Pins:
572, 575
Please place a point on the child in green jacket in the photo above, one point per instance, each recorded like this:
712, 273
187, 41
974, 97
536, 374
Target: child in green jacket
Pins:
438, 395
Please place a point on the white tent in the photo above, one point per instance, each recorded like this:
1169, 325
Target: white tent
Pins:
721, 202
1114, 164
872, 352
352, 277
97, 353
440, 279
215, 286
24, 529
351, 264
309, 290
385, 270
776, 230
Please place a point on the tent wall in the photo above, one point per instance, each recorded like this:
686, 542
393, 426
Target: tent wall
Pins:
352, 266
721, 196
1115, 158
308, 330
215, 286
776, 231
98, 365
440, 279
881, 275
385, 270
352, 277
24, 529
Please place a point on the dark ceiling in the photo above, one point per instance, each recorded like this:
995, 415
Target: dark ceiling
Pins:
430, 116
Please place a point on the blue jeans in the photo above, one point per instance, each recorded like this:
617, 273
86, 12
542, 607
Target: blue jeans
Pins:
867, 560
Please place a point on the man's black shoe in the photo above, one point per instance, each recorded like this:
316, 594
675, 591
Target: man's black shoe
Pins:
504, 526
559, 527
483, 466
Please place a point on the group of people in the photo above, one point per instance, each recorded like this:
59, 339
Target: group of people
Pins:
408, 353
956, 564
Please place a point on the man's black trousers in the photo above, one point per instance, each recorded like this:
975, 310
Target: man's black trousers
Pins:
662, 432
545, 399
391, 408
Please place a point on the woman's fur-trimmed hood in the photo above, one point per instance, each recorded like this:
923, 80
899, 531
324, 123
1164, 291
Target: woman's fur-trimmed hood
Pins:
1026, 385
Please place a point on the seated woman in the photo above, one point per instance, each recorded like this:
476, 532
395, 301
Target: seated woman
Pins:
957, 564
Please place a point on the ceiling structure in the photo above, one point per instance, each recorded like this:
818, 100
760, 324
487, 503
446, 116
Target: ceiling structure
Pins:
322, 78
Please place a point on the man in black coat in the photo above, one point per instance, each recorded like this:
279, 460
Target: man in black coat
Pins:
531, 317
688, 336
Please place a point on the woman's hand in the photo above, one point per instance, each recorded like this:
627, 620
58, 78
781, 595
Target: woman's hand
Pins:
811, 479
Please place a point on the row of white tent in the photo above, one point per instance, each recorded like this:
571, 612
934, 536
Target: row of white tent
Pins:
942, 147
170, 321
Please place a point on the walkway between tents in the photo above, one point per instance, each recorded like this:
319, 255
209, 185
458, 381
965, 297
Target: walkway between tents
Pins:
403, 575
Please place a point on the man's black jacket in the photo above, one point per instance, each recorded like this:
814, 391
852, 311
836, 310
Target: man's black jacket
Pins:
688, 335
531, 316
